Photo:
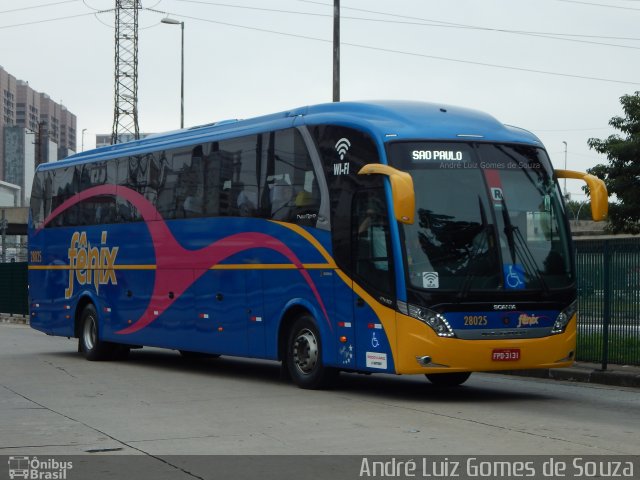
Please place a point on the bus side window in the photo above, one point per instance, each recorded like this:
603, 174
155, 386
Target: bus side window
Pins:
217, 171
242, 188
294, 194
180, 193
37, 200
126, 177
371, 242
66, 182
97, 209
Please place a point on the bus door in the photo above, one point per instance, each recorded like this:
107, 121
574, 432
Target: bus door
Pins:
372, 271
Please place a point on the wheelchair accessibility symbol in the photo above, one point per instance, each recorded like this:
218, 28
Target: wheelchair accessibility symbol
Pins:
514, 277
374, 341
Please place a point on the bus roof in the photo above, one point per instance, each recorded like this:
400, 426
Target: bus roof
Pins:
386, 120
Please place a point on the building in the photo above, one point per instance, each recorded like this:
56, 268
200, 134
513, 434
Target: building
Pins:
9, 194
33, 129
8, 91
19, 160
28, 110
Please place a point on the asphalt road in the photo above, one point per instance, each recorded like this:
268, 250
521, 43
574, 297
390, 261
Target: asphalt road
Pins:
54, 402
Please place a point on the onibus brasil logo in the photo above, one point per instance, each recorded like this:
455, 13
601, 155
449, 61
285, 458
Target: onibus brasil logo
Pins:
89, 264
33, 468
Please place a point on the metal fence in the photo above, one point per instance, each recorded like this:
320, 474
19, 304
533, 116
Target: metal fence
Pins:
609, 301
13, 288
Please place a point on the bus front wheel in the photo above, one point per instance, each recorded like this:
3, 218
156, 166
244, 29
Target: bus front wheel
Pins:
304, 356
90, 343
448, 379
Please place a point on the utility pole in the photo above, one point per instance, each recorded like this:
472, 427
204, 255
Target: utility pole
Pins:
565, 167
125, 113
336, 50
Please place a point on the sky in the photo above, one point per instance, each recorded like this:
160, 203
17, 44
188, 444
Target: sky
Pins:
555, 67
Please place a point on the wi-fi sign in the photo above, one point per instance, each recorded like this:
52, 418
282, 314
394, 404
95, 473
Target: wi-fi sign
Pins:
342, 147
430, 280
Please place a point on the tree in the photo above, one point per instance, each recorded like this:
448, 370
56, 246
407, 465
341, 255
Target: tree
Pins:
622, 174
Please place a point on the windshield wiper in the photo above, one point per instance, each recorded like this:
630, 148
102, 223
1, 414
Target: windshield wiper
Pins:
517, 243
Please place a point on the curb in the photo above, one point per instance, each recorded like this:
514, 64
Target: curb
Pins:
616, 377
14, 318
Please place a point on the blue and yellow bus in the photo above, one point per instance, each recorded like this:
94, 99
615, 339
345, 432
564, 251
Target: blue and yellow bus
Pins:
391, 237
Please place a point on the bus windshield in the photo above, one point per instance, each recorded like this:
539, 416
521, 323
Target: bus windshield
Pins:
488, 217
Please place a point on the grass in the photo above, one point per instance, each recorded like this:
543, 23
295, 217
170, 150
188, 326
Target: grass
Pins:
623, 349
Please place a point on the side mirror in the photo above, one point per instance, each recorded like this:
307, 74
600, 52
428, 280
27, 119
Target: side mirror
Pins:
597, 190
404, 197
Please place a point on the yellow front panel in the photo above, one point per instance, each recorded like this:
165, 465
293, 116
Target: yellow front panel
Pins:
415, 339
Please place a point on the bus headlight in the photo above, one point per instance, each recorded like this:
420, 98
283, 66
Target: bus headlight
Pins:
564, 317
435, 320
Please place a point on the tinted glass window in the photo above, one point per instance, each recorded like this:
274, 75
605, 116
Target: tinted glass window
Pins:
188, 173
241, 191
48, 193
66, 183
180, 194
101, 208
488, 216
292, 193
217, 182
37, 200
372, 246
145, 174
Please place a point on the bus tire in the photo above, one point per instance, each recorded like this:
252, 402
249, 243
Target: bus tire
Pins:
304, 356
448, 379
91, 346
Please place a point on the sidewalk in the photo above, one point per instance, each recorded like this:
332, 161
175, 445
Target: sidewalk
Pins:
617, 375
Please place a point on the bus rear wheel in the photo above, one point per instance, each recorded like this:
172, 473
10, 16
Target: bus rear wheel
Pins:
448, 379
304, 356
90, 344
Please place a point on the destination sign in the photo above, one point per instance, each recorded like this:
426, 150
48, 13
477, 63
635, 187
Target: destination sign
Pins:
439, 155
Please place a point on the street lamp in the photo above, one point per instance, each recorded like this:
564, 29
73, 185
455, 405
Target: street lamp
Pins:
565, 167
83, 130
171, 21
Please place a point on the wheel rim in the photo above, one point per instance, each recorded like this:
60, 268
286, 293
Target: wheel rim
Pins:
305, 351
89, 334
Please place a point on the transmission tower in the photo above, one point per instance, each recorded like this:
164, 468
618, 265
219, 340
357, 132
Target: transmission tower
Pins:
125, 114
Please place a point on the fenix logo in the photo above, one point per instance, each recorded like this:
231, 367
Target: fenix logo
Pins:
89, 264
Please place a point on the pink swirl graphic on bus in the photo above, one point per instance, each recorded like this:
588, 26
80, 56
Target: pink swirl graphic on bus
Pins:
177, 268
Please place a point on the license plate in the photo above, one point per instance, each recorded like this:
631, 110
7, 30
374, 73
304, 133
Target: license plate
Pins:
505, 354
